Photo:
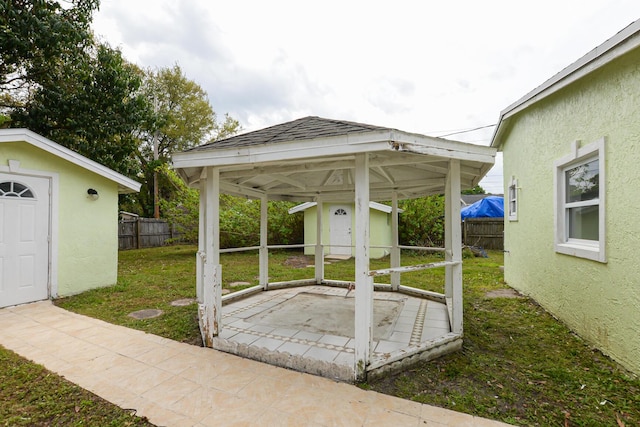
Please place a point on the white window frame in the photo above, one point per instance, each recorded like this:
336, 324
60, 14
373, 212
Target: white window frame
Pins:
589, 249
512, 200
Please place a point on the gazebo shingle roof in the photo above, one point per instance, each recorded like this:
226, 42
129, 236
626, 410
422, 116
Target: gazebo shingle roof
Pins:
310, 127
313, 157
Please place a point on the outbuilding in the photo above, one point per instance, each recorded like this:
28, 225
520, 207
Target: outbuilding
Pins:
341, 223
58, 219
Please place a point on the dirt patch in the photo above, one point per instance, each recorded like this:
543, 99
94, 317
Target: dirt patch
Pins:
182, 302
298, 261
503, 293
148, 313
238, 284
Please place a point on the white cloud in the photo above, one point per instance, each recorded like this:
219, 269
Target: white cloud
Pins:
416, 66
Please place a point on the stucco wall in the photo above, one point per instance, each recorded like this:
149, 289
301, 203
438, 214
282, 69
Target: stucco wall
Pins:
87, 243
600, 301
380, 234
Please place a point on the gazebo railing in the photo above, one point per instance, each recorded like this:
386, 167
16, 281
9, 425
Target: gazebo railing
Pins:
408, 268
372, 273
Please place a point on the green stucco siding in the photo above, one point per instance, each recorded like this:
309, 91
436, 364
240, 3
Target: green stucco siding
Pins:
600, 301
87, 243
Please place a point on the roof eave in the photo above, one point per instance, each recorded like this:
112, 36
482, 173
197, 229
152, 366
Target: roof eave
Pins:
360, 142
125, 184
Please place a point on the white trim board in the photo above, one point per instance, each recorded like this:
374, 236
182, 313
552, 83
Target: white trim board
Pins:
373, 205
125, 184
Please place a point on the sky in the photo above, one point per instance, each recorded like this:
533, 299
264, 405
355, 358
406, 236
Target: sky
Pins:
438, 68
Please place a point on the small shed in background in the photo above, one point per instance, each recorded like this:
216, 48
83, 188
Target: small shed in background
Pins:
337, 238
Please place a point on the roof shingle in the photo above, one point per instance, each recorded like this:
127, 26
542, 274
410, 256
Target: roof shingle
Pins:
301, 129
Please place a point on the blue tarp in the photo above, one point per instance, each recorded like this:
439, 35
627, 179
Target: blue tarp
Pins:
489, 207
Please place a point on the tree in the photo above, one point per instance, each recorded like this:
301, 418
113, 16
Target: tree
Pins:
91, 105
184, 115
184, 119
58, 81
34, 36
182, 210
475, 190
422, 222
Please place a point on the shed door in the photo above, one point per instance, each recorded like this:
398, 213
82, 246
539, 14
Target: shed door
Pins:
24, 232
340, 230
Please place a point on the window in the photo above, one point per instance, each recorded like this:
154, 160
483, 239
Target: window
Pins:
579, 186
15, 189
512, 199
340, 211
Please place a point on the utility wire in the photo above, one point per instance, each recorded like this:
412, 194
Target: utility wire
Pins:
467, 130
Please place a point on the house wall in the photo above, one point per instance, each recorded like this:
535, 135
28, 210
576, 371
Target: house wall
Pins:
600, 301
87, 243
379, 222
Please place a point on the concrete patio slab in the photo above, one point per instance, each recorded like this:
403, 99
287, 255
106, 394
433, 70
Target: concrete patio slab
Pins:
312, 328
176, 384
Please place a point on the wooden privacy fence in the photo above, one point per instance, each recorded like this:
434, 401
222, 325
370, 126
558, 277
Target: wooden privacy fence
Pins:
144, 233
487, 233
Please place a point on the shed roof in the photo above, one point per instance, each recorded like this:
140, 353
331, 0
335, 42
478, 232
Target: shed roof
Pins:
624, 41
301, 159
125, 185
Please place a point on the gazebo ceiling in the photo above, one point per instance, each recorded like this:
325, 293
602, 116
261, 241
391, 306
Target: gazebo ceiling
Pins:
312, 156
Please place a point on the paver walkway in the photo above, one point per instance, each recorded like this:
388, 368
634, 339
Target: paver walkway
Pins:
175, 384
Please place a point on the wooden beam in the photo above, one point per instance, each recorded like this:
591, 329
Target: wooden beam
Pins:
364, 283
211, 308
453, 245
409, 268
287, 180
463, 153
264, 250
232, 188
395, 249
319, 251
385, 174
202, 238
419, 183
308, 165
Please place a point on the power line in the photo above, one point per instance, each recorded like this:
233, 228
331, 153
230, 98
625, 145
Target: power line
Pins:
467, 130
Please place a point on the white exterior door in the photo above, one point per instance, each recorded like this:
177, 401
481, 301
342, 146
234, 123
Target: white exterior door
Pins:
24, 235
340, 229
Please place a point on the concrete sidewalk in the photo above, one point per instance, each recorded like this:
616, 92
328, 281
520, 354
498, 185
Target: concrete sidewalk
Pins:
175, 384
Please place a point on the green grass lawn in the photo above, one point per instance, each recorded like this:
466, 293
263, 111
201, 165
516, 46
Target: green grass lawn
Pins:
32, 396
518, 364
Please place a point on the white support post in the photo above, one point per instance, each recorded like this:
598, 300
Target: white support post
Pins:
395, 250
264, 251
202, 238
364, 283
211, 309
453, 246
319, 250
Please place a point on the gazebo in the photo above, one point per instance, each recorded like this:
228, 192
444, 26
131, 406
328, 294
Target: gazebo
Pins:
321, 160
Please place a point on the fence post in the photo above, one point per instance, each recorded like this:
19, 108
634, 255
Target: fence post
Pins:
138, 237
